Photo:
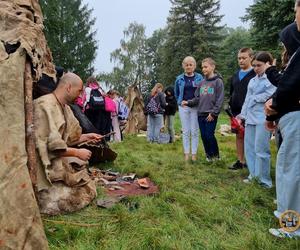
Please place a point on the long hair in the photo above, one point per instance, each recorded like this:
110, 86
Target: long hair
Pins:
155, 88
263, 56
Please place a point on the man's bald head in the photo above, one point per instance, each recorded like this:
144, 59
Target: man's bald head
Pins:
70, 78
69, 88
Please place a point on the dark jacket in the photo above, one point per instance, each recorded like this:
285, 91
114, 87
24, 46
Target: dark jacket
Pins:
209, 96
286, 97
238, 91
171, 103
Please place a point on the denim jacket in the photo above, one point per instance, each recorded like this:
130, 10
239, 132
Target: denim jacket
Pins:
259, 91
179, 86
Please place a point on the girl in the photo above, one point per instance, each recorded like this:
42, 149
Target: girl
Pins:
156, 101
98, 117
257, 146
113, 94
209, 98
185, 86
171, 106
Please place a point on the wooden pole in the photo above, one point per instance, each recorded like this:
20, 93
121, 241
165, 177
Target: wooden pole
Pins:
29, 125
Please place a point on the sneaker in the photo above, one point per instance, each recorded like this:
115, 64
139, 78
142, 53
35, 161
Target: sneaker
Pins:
280, 233
247, 181
277, 214
208, 159
237, 165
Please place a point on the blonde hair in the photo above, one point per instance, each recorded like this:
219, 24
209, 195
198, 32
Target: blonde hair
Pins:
155, 88
209, 60
189, 59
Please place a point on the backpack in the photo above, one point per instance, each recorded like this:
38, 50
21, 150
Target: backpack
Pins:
152, 107
123, 110
97, 101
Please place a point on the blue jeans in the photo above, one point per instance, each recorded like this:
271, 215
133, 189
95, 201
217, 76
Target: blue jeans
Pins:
257, 152
169, 125
154, 124
207, 130
190, 129
288, 164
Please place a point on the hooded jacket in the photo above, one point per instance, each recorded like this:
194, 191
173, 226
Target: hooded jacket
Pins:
286, 97
171, 103
209, 96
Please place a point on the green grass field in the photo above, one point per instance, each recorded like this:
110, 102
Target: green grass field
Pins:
200, 205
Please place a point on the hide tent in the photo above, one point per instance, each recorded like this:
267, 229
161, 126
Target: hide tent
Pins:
136, 119
24, 57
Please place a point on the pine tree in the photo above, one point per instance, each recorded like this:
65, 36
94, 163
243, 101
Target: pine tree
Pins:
268, 18
192, 30
68, 29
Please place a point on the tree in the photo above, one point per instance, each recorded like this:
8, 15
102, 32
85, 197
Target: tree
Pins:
68, 29
130, 60
268, 18
154, 55
192, 30
226, 58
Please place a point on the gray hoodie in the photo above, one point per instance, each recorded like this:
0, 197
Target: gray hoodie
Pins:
209, 96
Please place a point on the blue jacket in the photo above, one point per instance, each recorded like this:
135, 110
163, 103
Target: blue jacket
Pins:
259, 91
179, 86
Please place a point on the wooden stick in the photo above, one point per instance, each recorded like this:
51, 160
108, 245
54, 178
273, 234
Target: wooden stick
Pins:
30, 142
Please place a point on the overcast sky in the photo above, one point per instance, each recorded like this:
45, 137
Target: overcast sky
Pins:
113, 16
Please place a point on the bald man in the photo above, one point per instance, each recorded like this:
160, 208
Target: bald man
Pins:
63, 182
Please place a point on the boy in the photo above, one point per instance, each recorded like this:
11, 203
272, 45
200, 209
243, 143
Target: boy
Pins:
238, 90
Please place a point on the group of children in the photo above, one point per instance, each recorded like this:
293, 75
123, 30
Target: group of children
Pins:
106, 111
200, 101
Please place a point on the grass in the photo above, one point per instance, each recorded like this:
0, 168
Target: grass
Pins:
200, 206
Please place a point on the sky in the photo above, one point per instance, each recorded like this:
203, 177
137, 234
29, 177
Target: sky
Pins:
113, 16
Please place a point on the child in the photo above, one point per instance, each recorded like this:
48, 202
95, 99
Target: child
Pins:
209, 97
237, 94
171, 106
113, 94
257, 146
154, 108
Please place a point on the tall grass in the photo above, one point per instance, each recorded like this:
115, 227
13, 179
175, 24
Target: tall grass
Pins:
200, 205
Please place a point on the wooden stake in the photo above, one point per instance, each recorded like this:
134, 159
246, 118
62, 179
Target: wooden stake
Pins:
30, 141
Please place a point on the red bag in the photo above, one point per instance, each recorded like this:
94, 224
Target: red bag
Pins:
110, 105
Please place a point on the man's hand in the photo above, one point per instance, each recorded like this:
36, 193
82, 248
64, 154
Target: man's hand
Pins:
210, 118
270, 125
83, 154
184, 103
91, 137
268, 110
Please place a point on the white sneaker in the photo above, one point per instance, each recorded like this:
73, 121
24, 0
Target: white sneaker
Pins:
280, 233
277, 214
208, 159
247, 181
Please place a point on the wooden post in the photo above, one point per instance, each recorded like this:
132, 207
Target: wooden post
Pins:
30, 137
